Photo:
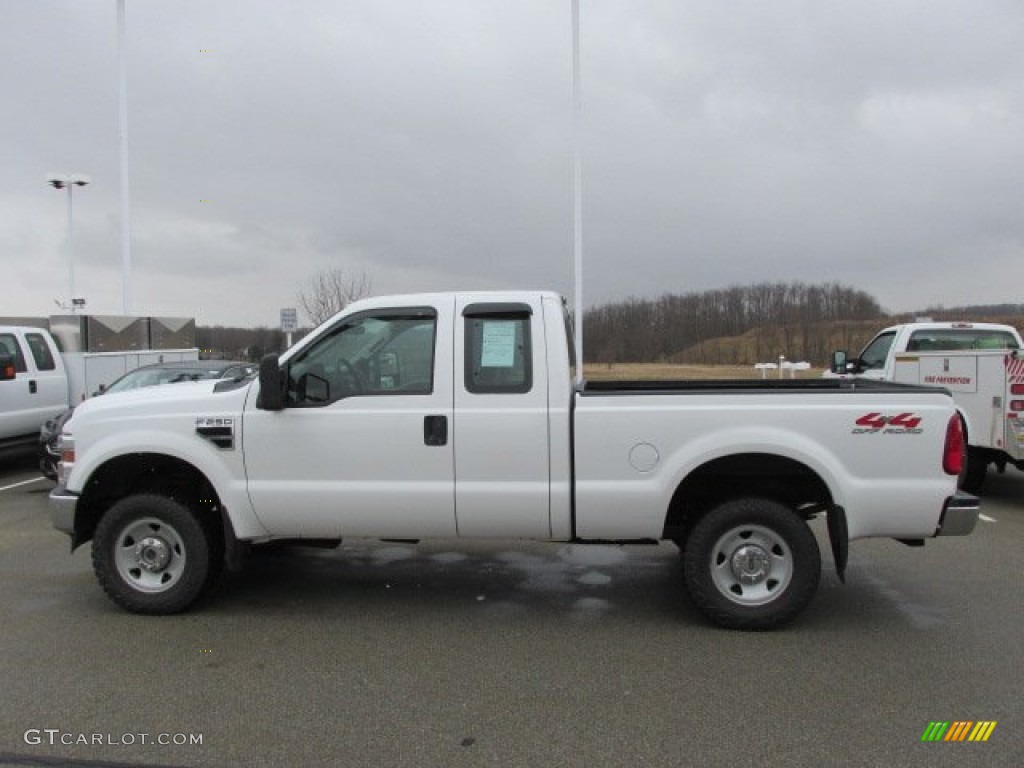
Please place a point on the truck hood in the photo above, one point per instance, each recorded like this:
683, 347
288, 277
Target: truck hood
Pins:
185, 398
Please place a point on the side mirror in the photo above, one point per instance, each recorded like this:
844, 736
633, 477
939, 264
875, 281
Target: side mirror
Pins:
7, 370
271, 397
839, 364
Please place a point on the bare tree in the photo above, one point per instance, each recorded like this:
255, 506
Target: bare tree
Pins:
329, 291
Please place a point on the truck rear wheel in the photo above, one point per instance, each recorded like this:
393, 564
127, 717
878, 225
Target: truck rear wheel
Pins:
152, 555
751, 564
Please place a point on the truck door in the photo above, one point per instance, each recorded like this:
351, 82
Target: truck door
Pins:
15, 397
38, 390
502, 453
363, 446
51, 381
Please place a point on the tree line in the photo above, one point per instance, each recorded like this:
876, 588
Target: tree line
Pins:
739, 325
220, 342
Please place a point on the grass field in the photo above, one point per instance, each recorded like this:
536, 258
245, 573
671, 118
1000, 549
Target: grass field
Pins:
666, 371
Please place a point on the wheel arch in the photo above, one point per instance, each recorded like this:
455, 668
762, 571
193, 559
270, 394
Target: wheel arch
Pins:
135, 473
772, 476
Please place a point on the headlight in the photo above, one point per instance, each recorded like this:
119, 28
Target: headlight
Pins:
66, 447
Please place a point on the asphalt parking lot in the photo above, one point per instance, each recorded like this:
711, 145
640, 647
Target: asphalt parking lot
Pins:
509, 654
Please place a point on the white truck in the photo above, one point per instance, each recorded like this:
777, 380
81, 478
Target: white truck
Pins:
981, 364
39, 381
33, 383
455, 415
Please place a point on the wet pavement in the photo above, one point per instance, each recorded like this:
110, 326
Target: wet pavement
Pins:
508, 653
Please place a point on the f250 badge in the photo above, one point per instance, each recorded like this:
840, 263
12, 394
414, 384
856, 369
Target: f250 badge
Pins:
900, 424
218, 430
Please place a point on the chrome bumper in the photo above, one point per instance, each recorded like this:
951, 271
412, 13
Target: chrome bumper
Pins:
959, 515
62, 510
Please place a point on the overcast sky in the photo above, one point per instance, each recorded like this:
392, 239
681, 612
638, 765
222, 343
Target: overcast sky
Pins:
428, 145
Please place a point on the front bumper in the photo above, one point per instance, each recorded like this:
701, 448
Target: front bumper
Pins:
62, 510
959, 515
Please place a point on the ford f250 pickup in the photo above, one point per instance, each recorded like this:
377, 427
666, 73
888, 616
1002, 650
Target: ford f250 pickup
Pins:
455, 415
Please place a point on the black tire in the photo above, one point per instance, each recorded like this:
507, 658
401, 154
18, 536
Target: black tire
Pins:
974, 472
751, 564
153, 555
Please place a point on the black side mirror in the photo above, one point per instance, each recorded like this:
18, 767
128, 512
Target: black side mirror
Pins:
271, 397
839, 364
7, 370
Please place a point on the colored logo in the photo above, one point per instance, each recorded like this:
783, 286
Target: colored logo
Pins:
959, 730
899, 424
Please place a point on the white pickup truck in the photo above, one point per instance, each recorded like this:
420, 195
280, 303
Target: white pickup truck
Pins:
981, 364
455, 415
33, 383
38, 381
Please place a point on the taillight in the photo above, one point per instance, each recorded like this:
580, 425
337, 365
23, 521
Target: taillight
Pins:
1017, 405
1017, 389
954, 452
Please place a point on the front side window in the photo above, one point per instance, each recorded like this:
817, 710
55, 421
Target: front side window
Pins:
40, 351
875, 353
9, 347
370, 354
498, 359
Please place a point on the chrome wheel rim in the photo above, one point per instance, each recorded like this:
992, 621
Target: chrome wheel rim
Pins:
150, 555
751, 565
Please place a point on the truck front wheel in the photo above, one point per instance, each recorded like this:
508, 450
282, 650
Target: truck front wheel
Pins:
751, 564
152, 555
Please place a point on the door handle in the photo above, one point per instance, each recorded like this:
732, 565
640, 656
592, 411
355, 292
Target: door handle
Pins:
435, 430
32, 387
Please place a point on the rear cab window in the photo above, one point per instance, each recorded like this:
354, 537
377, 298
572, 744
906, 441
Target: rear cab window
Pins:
954, 339
498, 349
40, 351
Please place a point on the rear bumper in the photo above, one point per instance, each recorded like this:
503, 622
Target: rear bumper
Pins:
959, 515
62, 510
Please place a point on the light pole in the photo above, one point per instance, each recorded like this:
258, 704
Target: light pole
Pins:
577, 191
63, 181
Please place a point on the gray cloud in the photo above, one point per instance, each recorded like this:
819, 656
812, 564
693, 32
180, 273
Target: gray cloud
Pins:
429, 145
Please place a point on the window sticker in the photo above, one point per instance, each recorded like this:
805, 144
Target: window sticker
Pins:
499, 344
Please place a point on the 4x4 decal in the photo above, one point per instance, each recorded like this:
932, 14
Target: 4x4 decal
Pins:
900, 424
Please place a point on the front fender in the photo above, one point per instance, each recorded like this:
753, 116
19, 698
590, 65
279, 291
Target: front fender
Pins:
224, 469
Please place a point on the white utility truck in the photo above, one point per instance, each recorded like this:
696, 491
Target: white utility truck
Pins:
455, 415
981, 364
45, 372
33, 383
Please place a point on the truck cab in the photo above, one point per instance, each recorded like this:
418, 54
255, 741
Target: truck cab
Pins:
878, 358
33, 383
